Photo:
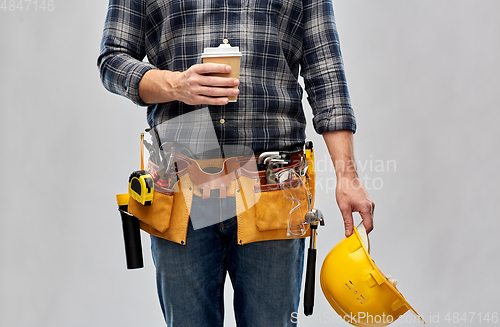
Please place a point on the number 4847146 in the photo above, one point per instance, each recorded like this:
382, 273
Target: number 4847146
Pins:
27, 5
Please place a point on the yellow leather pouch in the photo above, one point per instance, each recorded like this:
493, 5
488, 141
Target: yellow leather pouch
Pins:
274, 209
268, 218
168, 216
157, 215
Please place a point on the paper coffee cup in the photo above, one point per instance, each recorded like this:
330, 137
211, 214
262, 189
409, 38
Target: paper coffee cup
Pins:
224, 54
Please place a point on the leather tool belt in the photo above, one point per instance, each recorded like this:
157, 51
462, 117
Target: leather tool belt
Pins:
260, 205
213, 178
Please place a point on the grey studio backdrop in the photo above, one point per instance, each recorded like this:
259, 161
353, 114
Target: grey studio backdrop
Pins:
424, 78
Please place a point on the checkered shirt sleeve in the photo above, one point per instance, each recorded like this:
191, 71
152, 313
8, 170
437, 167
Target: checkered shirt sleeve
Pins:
323, 69
123, 49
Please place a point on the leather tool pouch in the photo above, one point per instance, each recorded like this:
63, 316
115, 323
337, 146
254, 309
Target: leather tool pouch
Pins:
274, 209
168, 215
158, 214
265, 210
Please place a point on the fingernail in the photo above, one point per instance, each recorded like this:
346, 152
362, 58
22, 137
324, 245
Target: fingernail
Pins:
236, 91
236, 82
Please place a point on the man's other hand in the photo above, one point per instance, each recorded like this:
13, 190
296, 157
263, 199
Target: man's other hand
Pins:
353, 197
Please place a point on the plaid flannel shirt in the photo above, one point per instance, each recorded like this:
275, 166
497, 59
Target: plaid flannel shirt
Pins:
277, 38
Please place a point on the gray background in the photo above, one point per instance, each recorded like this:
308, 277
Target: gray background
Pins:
423, 78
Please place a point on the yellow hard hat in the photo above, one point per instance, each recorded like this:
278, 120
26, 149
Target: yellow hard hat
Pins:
356, 287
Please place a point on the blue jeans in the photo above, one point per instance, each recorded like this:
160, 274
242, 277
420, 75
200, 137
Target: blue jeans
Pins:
266, 276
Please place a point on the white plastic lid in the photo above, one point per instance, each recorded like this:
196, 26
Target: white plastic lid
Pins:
223, 50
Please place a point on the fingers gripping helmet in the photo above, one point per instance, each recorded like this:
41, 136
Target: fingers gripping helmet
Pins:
356, 287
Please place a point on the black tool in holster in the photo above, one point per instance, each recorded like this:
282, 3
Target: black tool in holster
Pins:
131, 238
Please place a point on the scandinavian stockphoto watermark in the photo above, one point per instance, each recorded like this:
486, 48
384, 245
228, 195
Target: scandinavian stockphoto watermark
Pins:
27, 5
370, 172
433, 318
